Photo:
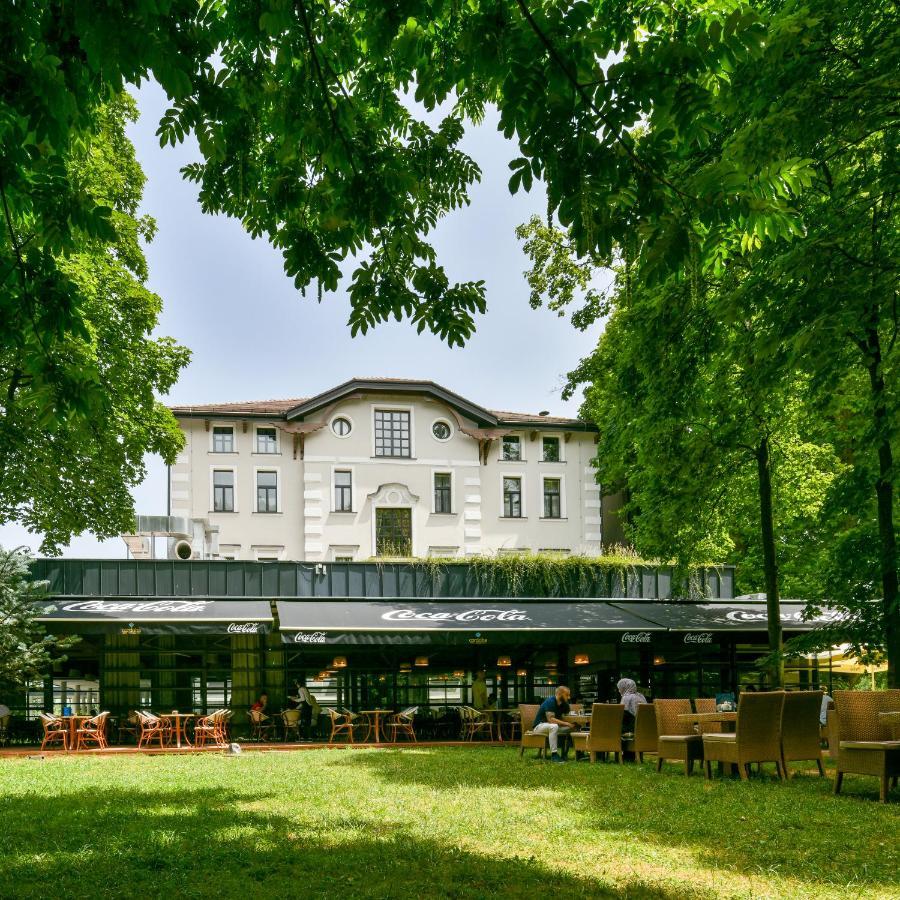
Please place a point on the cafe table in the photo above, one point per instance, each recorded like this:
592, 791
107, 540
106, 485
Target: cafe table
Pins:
179, 726
73, 722
578, 718
374, 719
710, 718
495, 715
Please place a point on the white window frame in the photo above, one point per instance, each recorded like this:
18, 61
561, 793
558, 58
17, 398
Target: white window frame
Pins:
212, 439
349, 434
256, 450
521, 459
336, 550
453, 505
278, 488
264, 552
443, 551
352, 470
524, 499
395, 407
562, 444
212, 490
561, 478
443, 421
229, 551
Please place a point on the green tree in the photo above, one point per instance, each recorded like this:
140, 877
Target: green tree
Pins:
78, 409
26, 651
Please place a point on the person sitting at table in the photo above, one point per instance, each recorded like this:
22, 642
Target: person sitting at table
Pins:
630, 698
258, 710
549, 721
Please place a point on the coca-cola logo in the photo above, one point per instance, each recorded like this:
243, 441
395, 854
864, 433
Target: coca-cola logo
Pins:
243, 628
137, 606
704, 637
469, 615
750, 615
636, 637
309, 637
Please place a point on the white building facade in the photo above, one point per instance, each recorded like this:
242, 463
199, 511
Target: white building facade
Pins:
382, 468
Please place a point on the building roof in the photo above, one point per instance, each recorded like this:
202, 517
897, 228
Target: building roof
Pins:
299, 408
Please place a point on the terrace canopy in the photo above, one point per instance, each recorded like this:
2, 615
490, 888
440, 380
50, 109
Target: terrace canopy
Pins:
450, 621
154, 615
725, 617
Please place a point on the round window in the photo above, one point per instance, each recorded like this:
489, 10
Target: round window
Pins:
441, 430
341, 426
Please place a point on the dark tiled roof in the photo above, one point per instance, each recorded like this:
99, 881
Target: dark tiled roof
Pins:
248, 408
515, 418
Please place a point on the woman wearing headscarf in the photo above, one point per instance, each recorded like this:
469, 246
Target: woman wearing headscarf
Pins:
631, 697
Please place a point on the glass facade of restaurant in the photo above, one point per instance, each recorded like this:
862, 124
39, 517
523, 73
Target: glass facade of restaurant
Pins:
128, 667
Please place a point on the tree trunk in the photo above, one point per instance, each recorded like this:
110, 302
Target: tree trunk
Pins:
884, 492
770, 563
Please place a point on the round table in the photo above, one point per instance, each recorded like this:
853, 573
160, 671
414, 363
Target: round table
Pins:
374, 718
179, 728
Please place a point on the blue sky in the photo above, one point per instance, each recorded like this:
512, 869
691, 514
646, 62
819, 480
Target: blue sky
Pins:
253, 336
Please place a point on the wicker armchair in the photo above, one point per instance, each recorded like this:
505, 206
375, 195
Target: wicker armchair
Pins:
210, 728
128, 727
262, 727
92, 731
645, 738
477, 722
341, 723
864, 744
757, 735
676, 739
402, 723
528, 739
290, 722
707, 705
55, 731
152, 728
800, 729
605, 735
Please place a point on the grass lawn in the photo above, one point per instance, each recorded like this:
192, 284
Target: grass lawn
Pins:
454, 822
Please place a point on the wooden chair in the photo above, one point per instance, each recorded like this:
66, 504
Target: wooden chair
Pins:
756, 738
55, 731
676, 739
800, 731
152, 728
527, 714
341, 723
261, 726
92, 731
514, 724
605, 735
402, 723
707, 705
645, 737
864, 741
290, 721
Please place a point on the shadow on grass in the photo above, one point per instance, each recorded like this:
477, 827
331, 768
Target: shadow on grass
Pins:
207, 843
799, 830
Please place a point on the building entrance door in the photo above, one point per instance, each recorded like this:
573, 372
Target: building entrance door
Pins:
393, 531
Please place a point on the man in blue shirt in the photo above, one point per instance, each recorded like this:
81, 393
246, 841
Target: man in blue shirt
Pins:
549, 720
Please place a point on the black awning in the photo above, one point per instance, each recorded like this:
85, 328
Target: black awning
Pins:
157, 616
401, 621
734, 616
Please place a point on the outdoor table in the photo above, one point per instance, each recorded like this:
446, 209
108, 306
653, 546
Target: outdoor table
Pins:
179, 728
374, 718
495, 715
73, 722
578, 719
724, 718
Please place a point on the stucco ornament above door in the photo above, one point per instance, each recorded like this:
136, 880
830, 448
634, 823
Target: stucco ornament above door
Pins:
393, 494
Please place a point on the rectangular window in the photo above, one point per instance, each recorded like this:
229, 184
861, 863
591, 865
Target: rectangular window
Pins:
551, 449
223, 491
343, 559
512, 498
267, 492
442, 498
512, 448
393, 531
266, 440
223, 439
552, 507
343, 492
392, 433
